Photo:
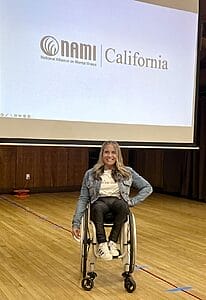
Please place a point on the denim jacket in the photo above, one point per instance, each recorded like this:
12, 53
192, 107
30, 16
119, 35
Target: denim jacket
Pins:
91, 187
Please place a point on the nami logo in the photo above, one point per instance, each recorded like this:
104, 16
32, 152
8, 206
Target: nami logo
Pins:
49, 45
68, 51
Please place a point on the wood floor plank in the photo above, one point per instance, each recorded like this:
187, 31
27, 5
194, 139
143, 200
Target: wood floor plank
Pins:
39, 259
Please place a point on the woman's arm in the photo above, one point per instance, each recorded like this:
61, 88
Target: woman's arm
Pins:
81, 207
144, 188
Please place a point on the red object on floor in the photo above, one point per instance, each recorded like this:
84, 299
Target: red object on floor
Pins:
22, 193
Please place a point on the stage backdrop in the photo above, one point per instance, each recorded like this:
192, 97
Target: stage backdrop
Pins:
79, 72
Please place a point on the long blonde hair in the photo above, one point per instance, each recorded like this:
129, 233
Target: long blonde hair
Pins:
119, 166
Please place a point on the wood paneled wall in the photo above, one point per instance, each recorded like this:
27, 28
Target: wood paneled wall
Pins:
51, 168
62, 168
54, 169
150, 164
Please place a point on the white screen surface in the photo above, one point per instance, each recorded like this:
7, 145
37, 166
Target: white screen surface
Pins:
90, 70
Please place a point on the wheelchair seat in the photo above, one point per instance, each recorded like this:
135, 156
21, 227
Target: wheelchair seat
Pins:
108, 219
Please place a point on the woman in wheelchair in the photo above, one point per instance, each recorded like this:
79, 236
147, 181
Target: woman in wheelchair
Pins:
107, 188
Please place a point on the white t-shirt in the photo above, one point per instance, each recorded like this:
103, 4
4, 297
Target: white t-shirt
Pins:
108, 186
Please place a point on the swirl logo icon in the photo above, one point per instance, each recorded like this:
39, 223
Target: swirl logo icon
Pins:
49, 45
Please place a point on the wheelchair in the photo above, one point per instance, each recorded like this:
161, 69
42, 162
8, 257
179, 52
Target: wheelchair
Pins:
89, 247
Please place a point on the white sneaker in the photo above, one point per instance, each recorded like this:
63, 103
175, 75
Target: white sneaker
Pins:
104, 252
113, 249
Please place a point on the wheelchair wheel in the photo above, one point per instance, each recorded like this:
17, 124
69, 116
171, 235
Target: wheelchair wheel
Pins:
129, 284
84, 244
87, 283
132, 242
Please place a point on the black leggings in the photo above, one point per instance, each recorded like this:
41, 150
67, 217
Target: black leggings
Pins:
100, 208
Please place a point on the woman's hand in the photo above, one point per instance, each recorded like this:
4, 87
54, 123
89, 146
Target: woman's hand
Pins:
76, 232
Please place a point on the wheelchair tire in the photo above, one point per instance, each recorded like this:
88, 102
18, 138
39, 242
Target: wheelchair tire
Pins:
132, 237
87, 283
129, 284
84, 244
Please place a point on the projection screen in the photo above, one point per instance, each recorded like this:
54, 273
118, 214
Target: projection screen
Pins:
87, 71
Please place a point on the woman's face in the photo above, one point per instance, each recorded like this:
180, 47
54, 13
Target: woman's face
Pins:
109, 156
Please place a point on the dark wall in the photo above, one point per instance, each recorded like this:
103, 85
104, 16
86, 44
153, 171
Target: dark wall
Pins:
62, 169
50, 168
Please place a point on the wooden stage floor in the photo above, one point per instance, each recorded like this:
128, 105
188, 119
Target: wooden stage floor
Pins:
39, 259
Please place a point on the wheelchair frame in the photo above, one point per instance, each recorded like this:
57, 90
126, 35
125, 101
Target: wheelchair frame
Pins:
127, 245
